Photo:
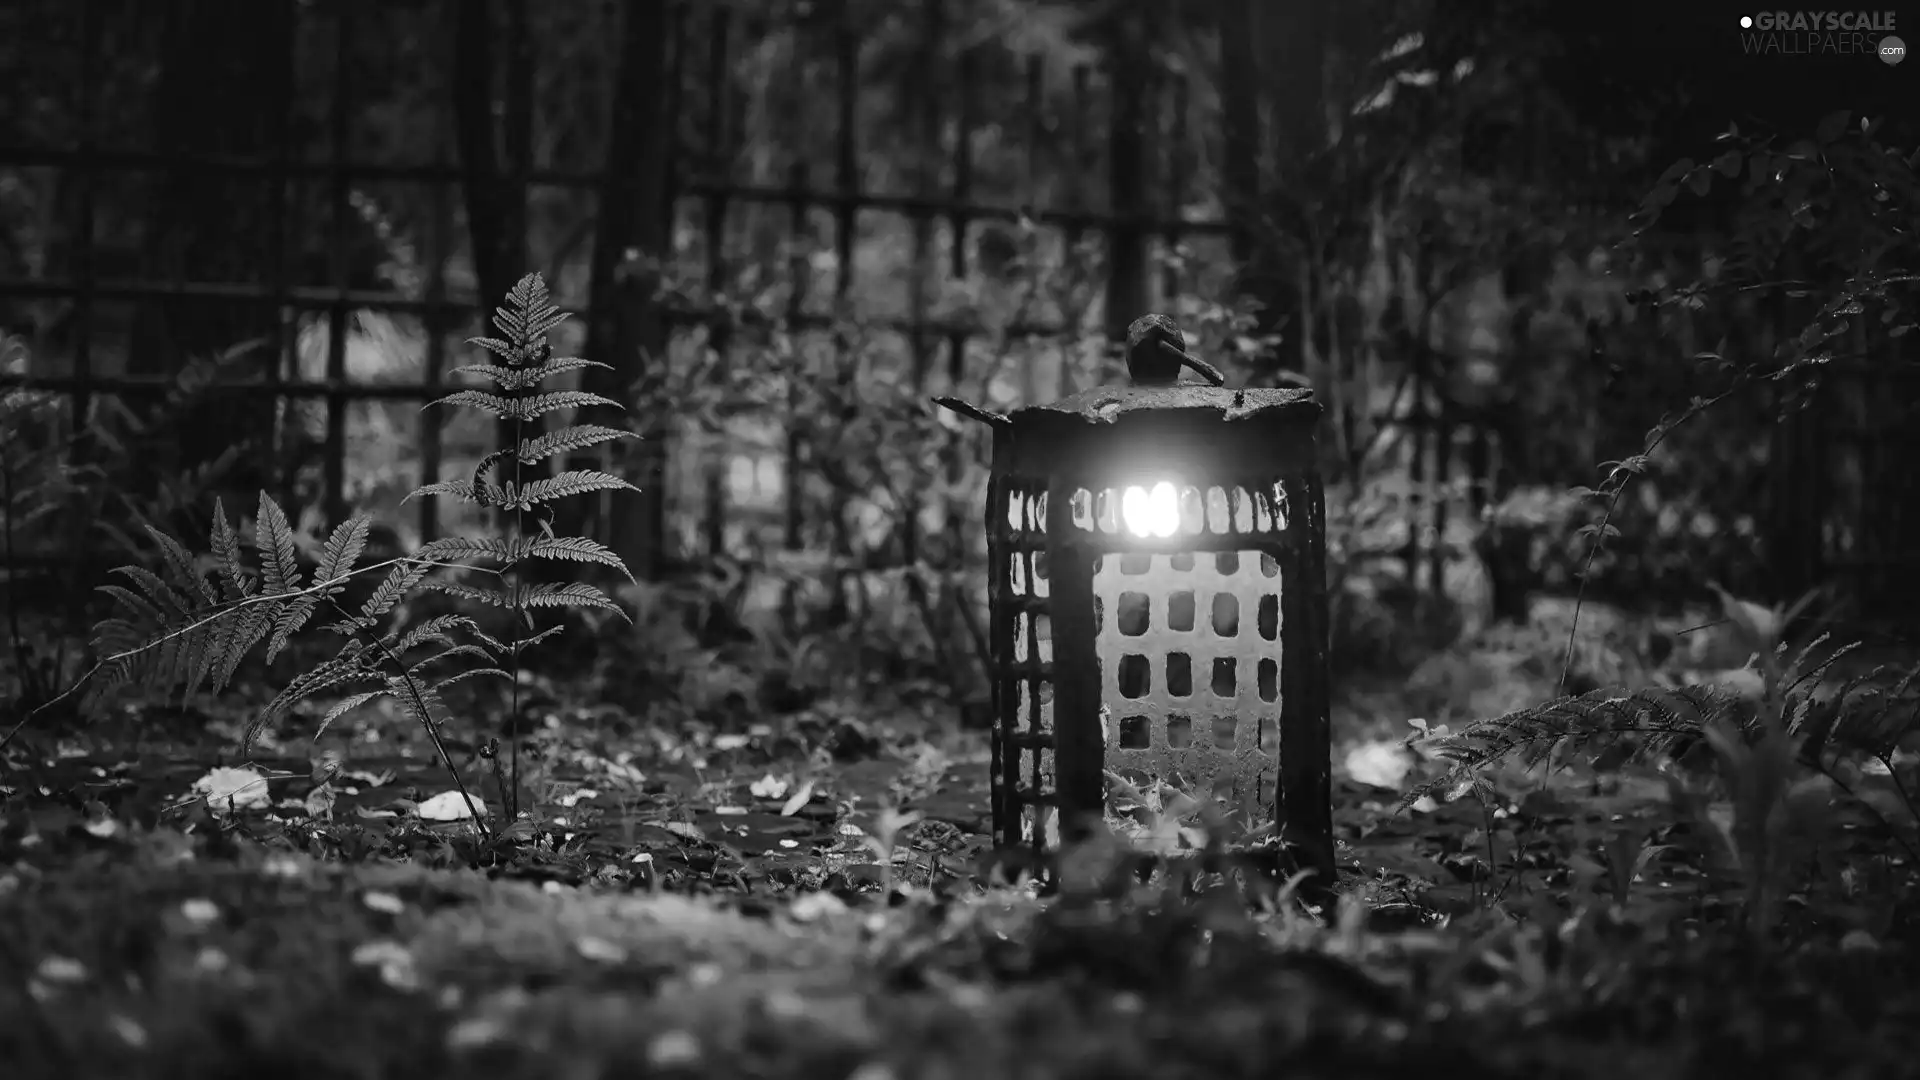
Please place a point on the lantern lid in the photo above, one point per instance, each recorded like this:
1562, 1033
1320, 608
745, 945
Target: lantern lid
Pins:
1106, 404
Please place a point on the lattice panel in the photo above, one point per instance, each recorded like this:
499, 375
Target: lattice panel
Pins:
1190, 672
1026, 593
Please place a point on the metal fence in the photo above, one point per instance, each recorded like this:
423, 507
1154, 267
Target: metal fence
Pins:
303, 145
311, 188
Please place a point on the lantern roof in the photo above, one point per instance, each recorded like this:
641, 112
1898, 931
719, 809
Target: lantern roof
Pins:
1106, 404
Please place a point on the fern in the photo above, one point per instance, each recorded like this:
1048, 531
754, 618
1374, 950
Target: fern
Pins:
180, 628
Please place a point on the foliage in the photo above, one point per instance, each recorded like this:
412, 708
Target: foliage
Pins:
75, 484
1775, 756
182, 629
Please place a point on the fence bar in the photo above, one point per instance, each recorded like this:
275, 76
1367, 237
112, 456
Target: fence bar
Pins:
1178, 173
847, 361
762, 194
83, 268
339, 272
957, 267
286, 428
720, 92
434, 322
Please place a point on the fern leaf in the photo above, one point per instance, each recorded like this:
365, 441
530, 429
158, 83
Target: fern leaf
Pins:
575, 549
509, 378
469, 673
485, 495
420, 703
336, 558
1658, 717
180, 563
521, 645
502, 349
274, 540
234, 580
567, 440
475, 593
342, 551
525, 408
572, 595
449, 654
344, 706
255, 618
561, 486
399, 581
433, 631
347, 666
453, 549
478, 399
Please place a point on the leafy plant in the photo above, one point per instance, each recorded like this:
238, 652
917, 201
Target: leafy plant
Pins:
182, 628
64, 482
1773, 758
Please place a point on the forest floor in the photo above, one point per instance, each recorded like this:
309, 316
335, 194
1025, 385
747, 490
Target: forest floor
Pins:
802, 896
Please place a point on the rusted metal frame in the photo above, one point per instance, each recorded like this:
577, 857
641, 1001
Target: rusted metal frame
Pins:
1303, 805
766, 194
339, 270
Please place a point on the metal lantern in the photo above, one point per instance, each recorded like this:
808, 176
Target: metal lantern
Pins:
1156, 561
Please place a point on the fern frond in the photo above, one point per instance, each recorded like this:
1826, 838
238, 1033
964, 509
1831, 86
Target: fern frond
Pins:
530, 407
468, 673
511, 378
476, 593
561, 486
449, 549
343, 707
347, 666
567, 440
474, 651
484, 494
574, 549
273, 538
436, 630
399, 581
1656, 717
572, 595
337, 557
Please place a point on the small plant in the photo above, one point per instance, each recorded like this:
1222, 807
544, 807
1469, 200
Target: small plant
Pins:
181, 628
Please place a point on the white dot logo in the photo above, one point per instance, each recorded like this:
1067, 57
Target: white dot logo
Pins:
1892, 50
1746, 22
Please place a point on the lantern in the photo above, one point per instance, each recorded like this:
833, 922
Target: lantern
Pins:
1157, 600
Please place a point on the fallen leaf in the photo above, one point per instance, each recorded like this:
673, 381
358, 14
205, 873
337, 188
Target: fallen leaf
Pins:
450, 806
227, 789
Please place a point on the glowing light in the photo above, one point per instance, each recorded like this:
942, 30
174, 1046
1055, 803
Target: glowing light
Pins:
1154, 513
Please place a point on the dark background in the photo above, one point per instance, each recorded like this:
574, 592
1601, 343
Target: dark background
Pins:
788, 224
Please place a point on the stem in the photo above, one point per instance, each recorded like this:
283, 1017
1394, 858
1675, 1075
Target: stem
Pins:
1613, 502
433, 731
512, 572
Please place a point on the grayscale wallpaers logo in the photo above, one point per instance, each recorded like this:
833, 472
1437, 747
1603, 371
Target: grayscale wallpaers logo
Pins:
1822, 33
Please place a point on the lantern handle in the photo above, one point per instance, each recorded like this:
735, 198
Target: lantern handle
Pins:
971, 411
1157, 350
1206, 371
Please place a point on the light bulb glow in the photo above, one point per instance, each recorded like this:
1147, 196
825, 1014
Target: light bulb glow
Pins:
1151, 513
